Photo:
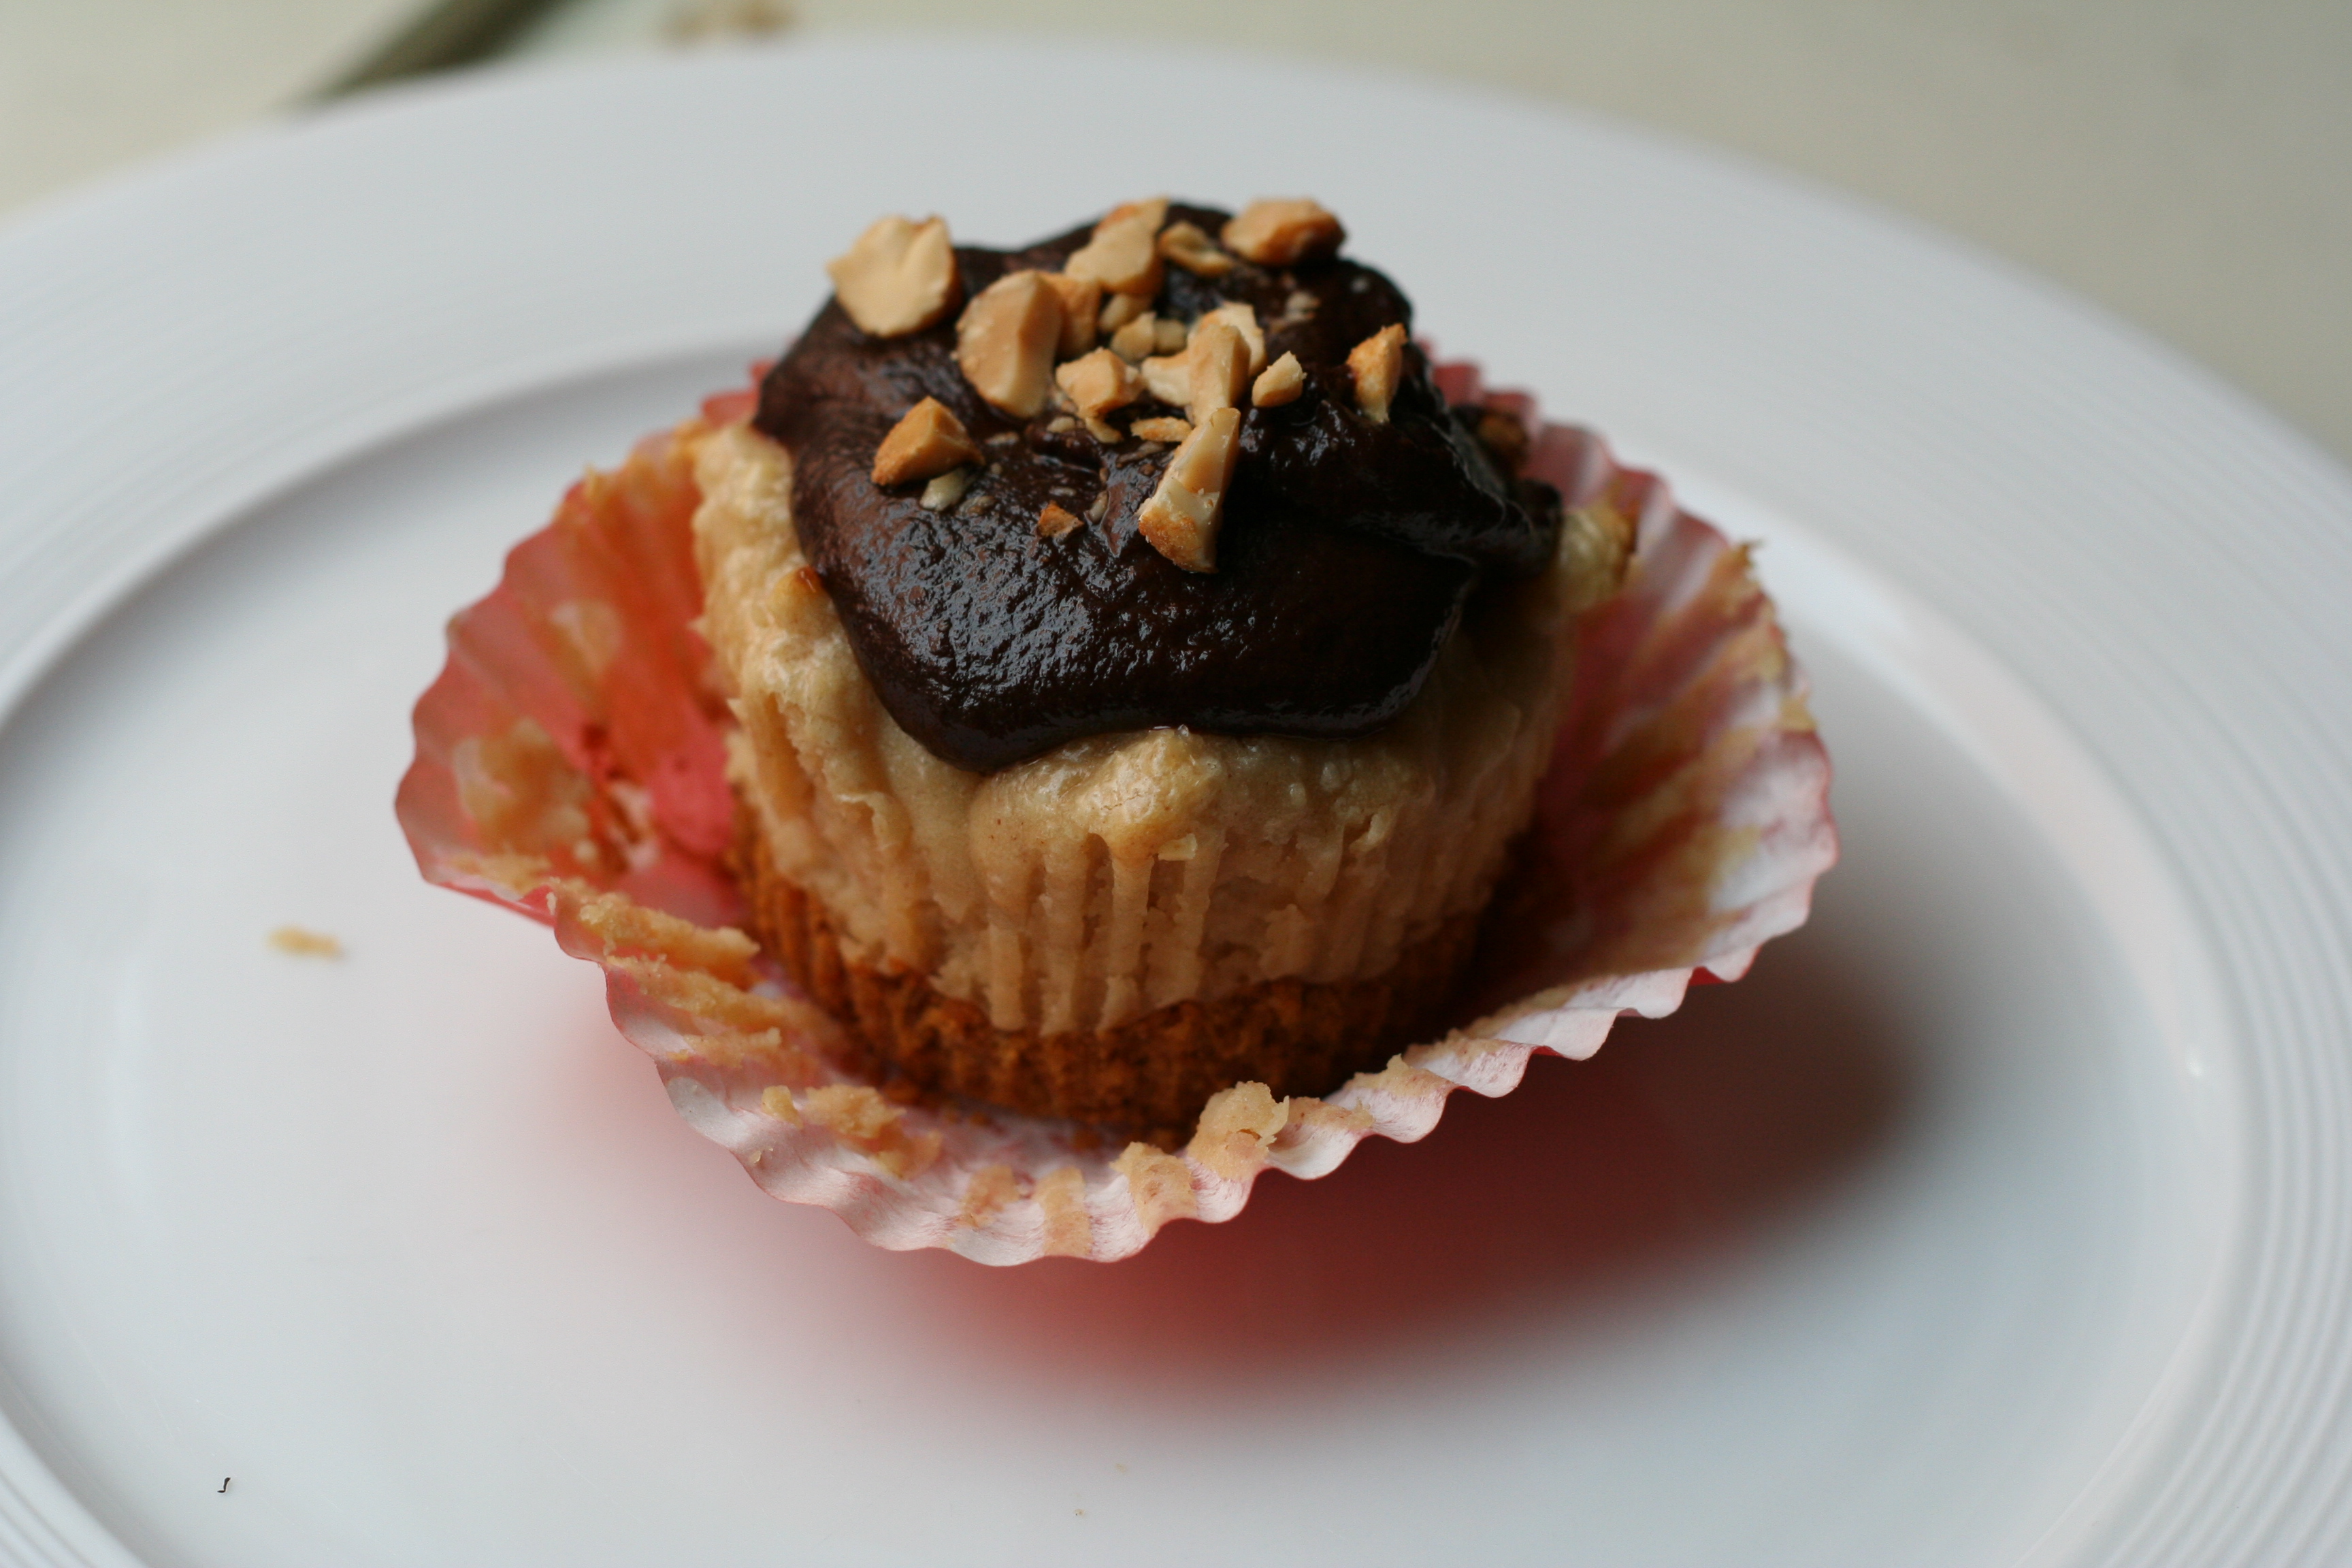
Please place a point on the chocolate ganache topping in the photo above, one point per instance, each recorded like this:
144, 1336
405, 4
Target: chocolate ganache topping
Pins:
1347, 539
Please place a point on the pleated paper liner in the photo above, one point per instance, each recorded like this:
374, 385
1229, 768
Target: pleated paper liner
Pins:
569, 765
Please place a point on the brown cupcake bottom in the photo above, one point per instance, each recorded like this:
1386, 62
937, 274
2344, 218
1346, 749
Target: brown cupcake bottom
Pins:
1152, 1072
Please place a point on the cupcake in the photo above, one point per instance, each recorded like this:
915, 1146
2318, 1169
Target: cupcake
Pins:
1142, 670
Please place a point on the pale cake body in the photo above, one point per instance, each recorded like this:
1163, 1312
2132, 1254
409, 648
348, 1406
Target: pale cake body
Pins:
1116, 877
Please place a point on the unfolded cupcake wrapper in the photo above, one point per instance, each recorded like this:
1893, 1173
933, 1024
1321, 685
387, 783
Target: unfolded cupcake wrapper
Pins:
571, 764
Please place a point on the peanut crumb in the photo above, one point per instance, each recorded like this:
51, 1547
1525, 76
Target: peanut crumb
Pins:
304, 942
1096, 384
945, 490
897, 278
1080, 297
1279, 233
1217, 369
1279, 383
1006, 339
1243, 318
1377, 364
1054, 520
1187, 246
1136, 339
1162, 427
1170, 337
1181, 520
1061, 425
1122, 254
1168, 377
1120, 309
929, 439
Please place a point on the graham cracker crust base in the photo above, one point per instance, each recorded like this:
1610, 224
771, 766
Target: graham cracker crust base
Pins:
1153, 1073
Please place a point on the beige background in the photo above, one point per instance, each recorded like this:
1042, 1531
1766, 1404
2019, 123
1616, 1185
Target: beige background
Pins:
2188, 164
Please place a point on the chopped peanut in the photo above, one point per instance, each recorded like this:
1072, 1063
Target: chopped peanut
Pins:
1279, 233
1119, 309
1377, 364
928, 440
1280, 382
1168, 377
899, 277
1189, 248
1239, 316
1218, 369
1096, 384
1054, 520
946, 490
1163, 428
1170, 337
1181, 516
1080, 297
1122, 255
1135, 341
1005, 342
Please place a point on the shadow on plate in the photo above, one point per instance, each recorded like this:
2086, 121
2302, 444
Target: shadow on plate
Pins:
1682, 1141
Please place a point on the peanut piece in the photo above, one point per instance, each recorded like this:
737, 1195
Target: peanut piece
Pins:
1119, 309
897, 278
946, 490
1121, 255
1377, 364
1280, 382
1054, 520
1097, 383
1005, 342
1135, 341
1217, 369
1278, 233
928, 440
1189, 248
1161, 427
1080, 296
1239, 316
1168, 377
1181, 516
1170, 337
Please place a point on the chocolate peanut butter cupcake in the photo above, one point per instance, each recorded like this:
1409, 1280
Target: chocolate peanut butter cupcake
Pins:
1143, 672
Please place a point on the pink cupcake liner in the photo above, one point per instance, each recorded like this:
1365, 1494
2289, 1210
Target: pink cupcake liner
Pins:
570, 764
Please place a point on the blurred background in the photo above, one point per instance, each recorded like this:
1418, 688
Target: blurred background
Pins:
2185, 164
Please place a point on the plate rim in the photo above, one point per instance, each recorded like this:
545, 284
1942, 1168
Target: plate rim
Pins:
2303, 489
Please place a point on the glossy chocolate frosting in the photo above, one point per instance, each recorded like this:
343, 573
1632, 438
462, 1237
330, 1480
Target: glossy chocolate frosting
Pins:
1348, 551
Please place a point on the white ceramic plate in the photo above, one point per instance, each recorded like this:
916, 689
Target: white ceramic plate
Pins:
1999, 1216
